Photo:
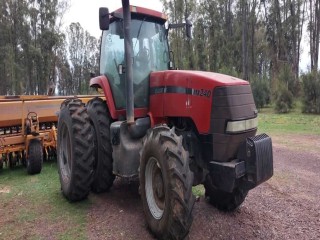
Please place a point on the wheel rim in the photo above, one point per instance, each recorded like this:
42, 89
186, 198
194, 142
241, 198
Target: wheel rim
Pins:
154, 187
65, 154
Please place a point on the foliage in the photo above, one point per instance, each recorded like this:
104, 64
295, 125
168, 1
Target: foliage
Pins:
261, 92
242, 38
283, 100
237, 37
198, 190
287, 78
33, 51
82, 60
228, 71
311, 90
286, 87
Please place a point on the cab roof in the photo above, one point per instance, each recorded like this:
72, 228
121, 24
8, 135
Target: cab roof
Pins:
140, 12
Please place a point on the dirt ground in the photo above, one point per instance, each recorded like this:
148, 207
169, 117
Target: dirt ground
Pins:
285, 207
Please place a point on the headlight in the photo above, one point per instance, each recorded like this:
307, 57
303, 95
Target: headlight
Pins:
242, 126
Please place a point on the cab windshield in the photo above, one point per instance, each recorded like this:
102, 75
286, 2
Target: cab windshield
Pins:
150, 53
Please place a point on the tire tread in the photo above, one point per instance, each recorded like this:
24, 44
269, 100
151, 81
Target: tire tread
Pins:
162, 138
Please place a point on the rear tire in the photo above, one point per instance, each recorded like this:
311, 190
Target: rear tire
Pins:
224, 201
35, 157
75, 150
166, 184
100, 118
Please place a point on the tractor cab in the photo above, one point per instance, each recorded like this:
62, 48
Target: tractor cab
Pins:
149, 53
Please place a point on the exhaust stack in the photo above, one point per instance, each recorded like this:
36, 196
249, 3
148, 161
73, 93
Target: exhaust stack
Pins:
128, 61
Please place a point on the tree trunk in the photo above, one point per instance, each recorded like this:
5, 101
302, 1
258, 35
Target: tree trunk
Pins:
244, 7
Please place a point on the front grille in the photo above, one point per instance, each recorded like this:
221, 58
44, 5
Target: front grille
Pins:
231, 103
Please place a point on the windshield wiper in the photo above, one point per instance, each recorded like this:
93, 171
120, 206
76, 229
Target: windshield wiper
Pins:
138, 35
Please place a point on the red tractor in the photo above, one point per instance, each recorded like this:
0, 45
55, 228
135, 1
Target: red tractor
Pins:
172, 129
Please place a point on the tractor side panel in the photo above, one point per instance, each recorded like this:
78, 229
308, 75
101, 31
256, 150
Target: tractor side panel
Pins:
176, 100
181, 94
200, 105
157, 94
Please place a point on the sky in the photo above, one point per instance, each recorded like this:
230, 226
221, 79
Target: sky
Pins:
87, 14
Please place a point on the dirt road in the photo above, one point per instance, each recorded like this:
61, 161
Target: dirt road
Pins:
285, 207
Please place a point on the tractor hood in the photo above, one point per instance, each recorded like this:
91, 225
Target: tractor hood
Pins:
192, 94
201, 77
191, 82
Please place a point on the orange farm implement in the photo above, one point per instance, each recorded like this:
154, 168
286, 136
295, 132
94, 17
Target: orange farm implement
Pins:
28, 129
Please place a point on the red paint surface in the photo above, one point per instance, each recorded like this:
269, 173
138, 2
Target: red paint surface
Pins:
164, 105
198, 108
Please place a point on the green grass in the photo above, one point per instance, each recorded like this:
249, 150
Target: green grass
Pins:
36, 200
198, 191
34, 208
293, 123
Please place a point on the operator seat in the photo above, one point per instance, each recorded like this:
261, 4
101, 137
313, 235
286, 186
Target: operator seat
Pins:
143, 59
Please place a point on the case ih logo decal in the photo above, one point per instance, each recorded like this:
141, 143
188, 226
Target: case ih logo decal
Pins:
182, 90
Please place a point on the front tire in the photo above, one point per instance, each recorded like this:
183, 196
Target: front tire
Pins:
224, 201
100, 118
75, 153
166, 184
35, 157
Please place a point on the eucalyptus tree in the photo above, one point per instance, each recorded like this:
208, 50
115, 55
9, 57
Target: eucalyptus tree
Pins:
178, 11
284, 23
83, 56
29, 36
314, 32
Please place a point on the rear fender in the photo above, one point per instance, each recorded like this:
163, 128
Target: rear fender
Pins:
103, 83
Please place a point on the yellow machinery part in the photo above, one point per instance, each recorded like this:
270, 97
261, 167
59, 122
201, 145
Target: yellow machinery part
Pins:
40, 112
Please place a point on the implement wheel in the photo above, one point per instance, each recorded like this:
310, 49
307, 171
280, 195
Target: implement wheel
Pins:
100, 118
224, 201
35, 157
166, 184
75, 153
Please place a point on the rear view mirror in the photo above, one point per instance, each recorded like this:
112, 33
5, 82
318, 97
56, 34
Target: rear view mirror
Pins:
104, 18
188, 28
